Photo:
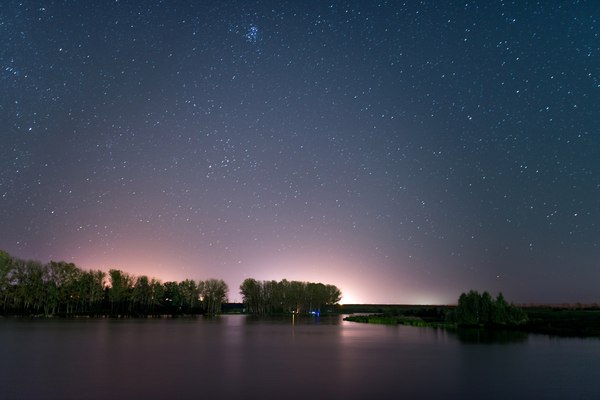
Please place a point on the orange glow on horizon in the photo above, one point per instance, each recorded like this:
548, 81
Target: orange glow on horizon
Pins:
353, 276
348, 298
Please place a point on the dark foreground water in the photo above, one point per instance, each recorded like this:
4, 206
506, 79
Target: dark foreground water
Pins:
239, 357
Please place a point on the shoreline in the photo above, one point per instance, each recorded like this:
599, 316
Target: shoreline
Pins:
559, 322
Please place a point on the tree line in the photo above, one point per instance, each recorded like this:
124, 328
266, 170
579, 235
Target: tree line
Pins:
61, 288
475, 309
272, 297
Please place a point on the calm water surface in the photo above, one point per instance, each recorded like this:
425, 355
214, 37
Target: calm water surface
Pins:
239, 357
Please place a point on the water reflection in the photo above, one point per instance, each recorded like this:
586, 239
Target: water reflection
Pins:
237, 356
489, 336
292, 319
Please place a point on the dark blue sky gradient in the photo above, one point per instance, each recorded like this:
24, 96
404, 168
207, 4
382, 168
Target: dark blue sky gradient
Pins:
405, 153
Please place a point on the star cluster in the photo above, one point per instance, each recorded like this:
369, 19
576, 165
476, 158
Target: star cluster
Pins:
403, 151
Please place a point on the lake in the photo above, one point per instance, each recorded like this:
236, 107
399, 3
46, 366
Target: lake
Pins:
235, 356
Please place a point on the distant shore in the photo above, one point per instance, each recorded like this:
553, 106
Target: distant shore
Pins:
564, 320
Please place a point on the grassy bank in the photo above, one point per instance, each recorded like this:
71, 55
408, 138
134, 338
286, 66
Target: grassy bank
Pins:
563, 321
396, 320
554, 321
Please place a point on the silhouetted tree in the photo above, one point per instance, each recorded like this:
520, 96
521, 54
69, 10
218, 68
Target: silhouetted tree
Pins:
141, 295
480, 309
172, 297
214, 294
65, 277
267, 297
250, 291
5, 268
190, 294
486, 305
334, 295
92, 289
58, 287
157, 295
31, 286
119, 293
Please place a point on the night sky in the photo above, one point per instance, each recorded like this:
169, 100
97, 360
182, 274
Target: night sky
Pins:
403, 152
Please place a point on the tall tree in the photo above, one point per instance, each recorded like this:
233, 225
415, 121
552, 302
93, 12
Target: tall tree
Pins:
250, 291
140, 295
157, 294
5, 268
172, 299
486, 304
481, 310
267, 297
190, 294
95, 288
119, 293
65, 276
214, 294
334, 295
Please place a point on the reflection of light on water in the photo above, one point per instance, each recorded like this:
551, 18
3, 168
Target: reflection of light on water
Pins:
356, 333
233, 320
